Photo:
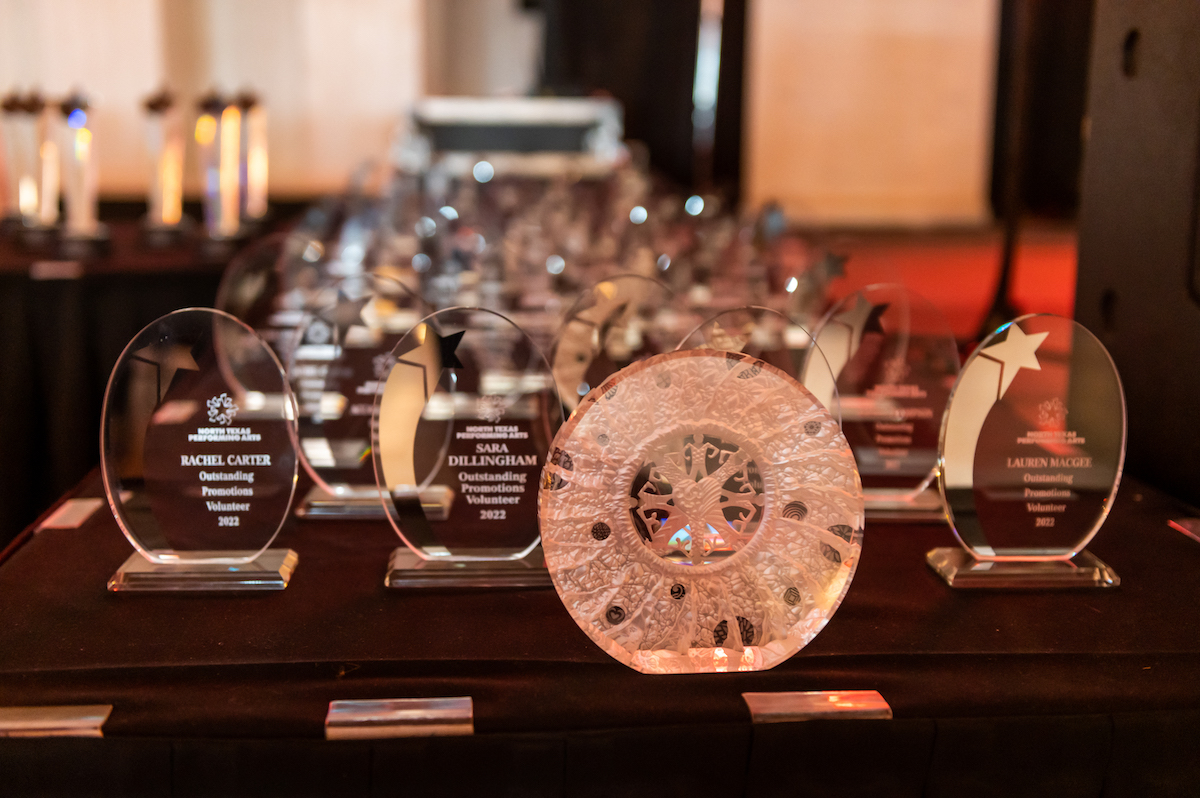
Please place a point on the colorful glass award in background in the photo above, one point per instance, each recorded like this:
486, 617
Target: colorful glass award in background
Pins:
218, 137
893, 359
701, 512
80, 175
464, 416
32, 162
20, 159
165, 143
252, 167
1031, 453
198, 456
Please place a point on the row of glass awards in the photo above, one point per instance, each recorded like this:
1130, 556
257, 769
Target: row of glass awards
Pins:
701, 509
48, 148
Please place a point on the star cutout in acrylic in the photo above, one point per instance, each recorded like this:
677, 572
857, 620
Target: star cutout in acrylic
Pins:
345, 313
1014, 353
445, 346
167, 358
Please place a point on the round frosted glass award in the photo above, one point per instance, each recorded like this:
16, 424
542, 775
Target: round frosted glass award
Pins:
464, 416
614, 323
198, 440
767, 335
892, 359
1033, 442
341, 350
701, 512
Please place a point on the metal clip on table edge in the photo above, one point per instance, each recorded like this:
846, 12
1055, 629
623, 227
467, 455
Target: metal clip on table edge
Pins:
817, 705
400, 717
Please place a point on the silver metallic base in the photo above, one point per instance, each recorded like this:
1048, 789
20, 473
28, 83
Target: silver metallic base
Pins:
271, 571
407, 570
960, 569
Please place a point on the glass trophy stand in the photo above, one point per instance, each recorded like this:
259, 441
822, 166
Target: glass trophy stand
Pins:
615, 322
464, 416
701, 512
198, 456
1031, 453
893, 360
341, 350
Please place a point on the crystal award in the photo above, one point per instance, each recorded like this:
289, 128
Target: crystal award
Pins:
615, 322
270, 284
341, 349
465, 412
892, 359
701, 512
198, 456
1031, 453
767, 335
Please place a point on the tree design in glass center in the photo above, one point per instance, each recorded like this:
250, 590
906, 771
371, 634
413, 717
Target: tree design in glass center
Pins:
696, 499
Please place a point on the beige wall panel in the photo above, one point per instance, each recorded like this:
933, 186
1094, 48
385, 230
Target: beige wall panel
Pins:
336, 75
863, 112
111, 50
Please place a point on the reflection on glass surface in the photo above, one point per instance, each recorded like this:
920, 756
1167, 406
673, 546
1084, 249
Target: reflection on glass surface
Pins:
891, 360
198, 439
701, 512
770, 336
1033, 442
464, 415
612, 324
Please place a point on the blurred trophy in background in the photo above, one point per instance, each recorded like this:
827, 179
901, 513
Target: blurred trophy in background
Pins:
165, 143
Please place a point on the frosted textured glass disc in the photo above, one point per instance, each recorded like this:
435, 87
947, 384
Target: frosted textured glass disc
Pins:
701, 512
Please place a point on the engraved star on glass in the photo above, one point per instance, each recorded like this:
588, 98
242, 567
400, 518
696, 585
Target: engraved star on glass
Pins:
1031, 453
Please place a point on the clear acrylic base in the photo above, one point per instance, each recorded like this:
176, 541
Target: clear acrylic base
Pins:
361, 503
407, 570
961, 570
883, 504
270, 571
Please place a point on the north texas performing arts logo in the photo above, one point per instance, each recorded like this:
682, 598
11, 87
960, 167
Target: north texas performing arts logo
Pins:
221, 410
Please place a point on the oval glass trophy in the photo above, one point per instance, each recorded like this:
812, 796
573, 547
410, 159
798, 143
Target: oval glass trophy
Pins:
612, 324
767, 335
464, 417
198, 456
893, 360
701, 512
340, 350
270, 283
1031, 453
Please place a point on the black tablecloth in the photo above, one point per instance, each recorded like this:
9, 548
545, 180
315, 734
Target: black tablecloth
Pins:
1070, 693
59, 339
